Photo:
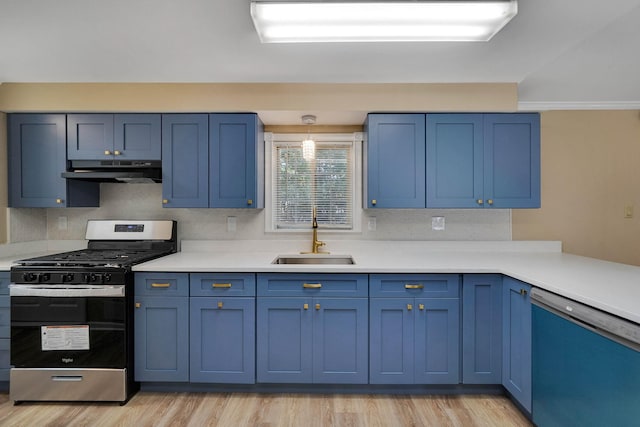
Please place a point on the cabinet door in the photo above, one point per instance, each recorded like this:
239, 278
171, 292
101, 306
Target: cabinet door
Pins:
5, 316
5, 326
5, 306
90, 136
137, 137
516, 359
454, 160
340, 340
185, 161
5, 359
283, 349
162, 339
37, 157
395, 161
236, 161
482, 329
222, 341
391, 341
437, 341
512, 160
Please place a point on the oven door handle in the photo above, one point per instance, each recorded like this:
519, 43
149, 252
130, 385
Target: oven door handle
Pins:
64, 291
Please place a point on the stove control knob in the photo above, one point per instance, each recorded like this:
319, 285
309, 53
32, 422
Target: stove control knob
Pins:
107, 277
96, 278
44, 277
28, 277
67, 277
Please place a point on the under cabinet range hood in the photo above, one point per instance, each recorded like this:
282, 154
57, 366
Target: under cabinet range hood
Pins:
131, 171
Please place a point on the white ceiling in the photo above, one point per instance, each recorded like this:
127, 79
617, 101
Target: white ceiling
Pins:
562, 53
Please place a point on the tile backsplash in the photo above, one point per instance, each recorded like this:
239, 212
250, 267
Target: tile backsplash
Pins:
143, 201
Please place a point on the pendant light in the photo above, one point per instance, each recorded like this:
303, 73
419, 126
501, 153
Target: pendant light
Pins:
308, 145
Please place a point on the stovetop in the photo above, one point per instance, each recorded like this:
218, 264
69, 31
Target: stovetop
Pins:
114, 246
95, 258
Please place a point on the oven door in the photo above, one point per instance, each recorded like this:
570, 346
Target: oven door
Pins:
54, 326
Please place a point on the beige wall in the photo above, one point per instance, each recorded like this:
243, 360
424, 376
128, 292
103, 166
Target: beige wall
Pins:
263, 98
590, 172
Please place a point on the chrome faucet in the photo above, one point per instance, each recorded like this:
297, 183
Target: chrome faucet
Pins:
315, 243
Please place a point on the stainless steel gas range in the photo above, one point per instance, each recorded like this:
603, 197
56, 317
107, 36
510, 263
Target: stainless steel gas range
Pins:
72, 314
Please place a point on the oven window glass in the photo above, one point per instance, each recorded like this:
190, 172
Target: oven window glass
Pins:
104, 319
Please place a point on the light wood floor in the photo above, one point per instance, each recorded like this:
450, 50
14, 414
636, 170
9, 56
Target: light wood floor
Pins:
269, 410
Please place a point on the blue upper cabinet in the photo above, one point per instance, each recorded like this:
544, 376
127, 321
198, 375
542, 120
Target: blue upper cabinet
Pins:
236, 161
185, 160
89, 136
512, 160
137, 137
212, 161
452, 161
455, 162
395, 161
483, 160
37, 157
122, 137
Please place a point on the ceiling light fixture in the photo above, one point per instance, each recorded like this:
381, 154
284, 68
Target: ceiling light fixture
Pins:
281, 21
308, 145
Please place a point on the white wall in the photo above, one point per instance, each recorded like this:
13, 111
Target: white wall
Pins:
143, 201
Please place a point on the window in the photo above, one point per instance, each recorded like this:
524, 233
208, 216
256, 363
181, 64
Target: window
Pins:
328, 182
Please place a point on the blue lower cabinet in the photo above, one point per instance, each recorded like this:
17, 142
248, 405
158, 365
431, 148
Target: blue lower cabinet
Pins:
415, 341
437, 341
5, 326
482, 329
284, 337
312, 340
391, 341
222, 340
340, 339
162, 339
516, 359
5, 359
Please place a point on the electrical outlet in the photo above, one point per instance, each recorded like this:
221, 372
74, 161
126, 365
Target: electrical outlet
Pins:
231, 224
437, 223
628, 211
62, 223
371, 225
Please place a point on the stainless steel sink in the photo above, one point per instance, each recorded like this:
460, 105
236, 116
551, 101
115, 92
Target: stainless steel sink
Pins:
325, 259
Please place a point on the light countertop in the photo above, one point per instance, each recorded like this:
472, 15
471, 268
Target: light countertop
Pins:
609, 286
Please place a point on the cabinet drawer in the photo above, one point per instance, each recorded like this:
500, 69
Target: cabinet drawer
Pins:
222, 284
418, 285
326, 285
162, 284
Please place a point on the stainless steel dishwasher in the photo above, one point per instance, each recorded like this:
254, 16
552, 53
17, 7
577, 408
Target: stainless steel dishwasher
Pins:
586, 365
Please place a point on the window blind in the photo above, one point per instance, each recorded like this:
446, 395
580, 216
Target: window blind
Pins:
325, 182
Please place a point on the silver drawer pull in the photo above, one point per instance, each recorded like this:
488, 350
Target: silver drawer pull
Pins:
66, 378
